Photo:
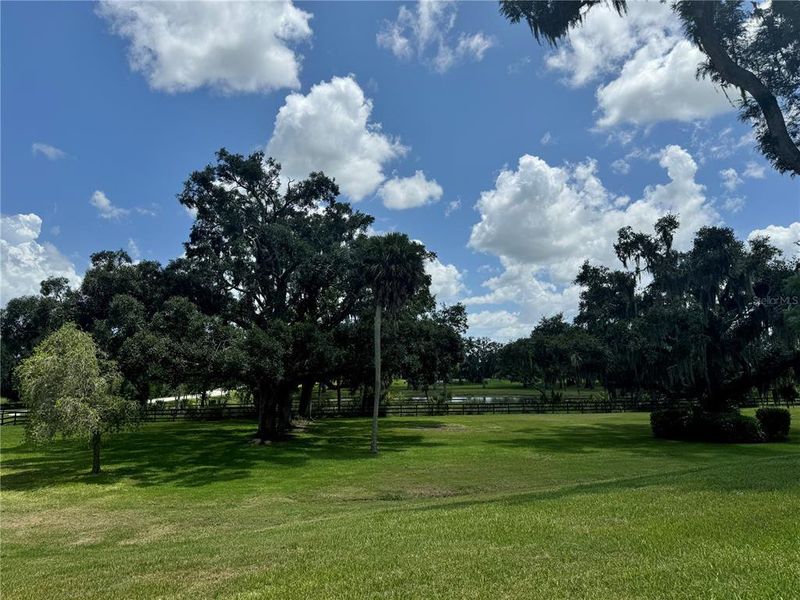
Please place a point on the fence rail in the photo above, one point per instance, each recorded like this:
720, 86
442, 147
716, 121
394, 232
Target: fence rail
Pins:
507, 405
408, 408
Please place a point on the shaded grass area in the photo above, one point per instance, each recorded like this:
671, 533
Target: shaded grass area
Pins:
517, 506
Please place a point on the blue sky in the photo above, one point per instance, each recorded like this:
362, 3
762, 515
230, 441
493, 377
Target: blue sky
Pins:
512, 161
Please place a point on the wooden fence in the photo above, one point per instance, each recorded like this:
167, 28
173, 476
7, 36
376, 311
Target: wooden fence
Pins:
503, 405
406, 408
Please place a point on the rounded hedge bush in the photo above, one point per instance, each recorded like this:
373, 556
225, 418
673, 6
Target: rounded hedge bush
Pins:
775, 422
694, 425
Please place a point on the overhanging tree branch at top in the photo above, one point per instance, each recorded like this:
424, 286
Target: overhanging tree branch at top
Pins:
757, 52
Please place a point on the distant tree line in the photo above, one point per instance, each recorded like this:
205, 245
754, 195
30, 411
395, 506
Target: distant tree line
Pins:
708, 325
277, 292
281, 289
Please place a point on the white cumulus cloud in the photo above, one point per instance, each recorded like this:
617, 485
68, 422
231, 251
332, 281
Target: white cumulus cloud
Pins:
754, 171
733, 204
427, 32
105, 208
447, 282
785, 239
230, 46
133, 250
621, 166
25, 262
500, 325
329, 129
544, 221
651, 65
730, 179
400, 193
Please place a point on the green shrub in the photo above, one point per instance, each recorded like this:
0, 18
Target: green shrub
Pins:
671, 423
733, 428
437, 403
694, 425
775, 422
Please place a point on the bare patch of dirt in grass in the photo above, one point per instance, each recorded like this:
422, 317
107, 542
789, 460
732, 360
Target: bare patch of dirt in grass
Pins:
81, 526
199, 580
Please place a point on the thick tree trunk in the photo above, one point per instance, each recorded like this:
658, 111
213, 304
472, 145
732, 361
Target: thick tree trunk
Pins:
274, 412
261, 400
339, 398
304, 408
284, 409
96, 453
284, 415
376, 405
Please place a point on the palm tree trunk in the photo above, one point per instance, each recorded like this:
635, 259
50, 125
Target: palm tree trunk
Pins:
96, 453
376, 405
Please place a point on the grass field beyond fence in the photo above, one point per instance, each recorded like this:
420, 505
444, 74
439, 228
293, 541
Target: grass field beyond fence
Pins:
506, 506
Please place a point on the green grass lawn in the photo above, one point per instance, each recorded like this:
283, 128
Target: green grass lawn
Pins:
518, 506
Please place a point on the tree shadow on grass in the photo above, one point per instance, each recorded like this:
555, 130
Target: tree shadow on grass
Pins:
197, 454
767, 474
697, 466
190, 454
634, 438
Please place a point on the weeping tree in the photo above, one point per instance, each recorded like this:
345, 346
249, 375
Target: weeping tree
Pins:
753, 52
393, 269
707, 324
69, 390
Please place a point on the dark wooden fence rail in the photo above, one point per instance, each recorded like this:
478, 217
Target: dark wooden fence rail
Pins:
509, 405
405, 408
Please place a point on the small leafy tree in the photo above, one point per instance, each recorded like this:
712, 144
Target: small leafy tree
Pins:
69, 390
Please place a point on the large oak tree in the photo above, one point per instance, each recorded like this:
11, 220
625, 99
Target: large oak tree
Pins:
281, 254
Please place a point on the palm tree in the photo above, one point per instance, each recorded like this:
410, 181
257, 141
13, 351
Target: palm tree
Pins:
393, 267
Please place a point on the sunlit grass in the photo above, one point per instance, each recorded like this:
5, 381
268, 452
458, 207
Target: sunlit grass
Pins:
518, 506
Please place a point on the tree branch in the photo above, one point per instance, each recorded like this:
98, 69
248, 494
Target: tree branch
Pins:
732, 73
